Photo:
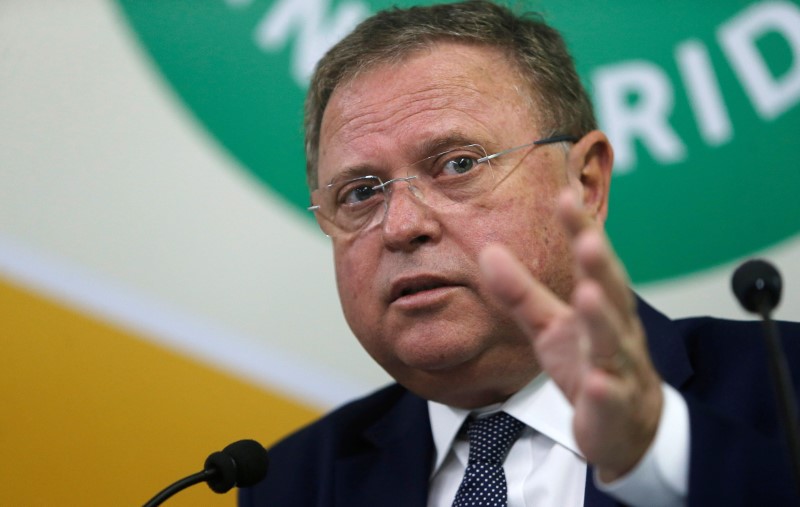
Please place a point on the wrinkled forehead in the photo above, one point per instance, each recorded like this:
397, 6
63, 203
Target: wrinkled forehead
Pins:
397, 106
450, 55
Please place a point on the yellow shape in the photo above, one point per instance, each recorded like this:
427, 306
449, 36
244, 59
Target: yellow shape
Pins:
93, 415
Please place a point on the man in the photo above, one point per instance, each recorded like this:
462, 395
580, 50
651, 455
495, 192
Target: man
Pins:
454, 161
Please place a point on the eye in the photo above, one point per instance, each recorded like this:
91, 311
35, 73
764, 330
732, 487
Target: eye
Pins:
459, 162
459, 165
358, 192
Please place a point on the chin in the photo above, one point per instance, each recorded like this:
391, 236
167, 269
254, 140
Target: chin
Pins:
456, 391
469, 378
440, 353
467, 384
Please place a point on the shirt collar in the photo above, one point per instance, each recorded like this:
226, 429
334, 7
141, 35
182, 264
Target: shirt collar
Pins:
540, 405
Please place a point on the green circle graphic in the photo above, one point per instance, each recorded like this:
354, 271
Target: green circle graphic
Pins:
702, 104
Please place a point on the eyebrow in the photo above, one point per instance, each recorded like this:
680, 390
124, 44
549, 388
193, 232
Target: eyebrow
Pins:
437, 145
353, 172
428, 148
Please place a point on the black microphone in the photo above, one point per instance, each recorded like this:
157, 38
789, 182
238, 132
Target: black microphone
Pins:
757, 285
240, 464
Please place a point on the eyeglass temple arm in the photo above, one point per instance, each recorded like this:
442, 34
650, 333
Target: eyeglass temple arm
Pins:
547, 140
558, 139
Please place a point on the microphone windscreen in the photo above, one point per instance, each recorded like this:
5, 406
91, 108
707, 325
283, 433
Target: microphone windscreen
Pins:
223, 472
242, 463
757, 285
251, 461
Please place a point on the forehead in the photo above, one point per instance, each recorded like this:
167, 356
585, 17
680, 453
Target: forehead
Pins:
448, 90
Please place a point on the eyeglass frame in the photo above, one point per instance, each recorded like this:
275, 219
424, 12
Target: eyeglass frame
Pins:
558, 138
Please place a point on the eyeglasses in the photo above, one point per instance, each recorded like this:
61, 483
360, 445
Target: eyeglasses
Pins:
454, 176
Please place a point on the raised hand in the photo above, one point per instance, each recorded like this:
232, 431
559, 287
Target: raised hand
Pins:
593, 347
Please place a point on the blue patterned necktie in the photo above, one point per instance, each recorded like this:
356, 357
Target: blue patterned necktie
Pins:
484, 482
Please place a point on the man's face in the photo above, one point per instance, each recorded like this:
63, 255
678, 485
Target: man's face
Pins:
410, 288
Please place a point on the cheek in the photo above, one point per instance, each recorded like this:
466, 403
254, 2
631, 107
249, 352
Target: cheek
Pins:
529, 226
355, 280
524, 219
348, 278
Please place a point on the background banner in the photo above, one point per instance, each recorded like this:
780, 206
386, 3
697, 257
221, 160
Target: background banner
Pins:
163, 290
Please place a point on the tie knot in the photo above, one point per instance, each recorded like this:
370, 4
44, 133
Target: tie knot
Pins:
491, 437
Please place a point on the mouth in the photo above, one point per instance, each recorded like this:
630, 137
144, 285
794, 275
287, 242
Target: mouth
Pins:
410, 286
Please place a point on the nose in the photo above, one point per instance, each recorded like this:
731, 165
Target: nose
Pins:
387, 185
408, 221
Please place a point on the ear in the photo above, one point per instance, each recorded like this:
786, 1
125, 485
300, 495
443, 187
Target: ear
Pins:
590, 161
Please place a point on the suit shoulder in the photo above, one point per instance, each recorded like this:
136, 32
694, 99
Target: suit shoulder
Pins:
710, 328
730, 360
303, 465
346, 425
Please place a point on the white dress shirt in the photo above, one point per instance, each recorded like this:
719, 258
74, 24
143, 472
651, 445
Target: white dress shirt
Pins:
545, 468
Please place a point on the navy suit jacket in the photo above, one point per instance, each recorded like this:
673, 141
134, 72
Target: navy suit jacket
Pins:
378, 451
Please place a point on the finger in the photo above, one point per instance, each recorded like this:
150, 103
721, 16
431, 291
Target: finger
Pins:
594, 255
531, 303
571, 213
598, 262
615, 422
599, 418
606, 350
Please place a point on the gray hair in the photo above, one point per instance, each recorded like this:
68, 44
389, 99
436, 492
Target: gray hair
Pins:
536, 49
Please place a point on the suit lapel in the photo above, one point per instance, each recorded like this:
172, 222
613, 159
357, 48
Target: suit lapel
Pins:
667, 348
390, 466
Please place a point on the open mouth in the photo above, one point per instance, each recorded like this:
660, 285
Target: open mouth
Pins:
413, 290
412, 286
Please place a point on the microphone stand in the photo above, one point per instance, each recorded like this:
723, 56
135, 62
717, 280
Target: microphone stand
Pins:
180, 486
242, 463
785, 396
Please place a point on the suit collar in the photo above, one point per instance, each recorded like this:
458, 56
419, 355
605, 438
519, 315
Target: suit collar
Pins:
394, 446
667, 348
